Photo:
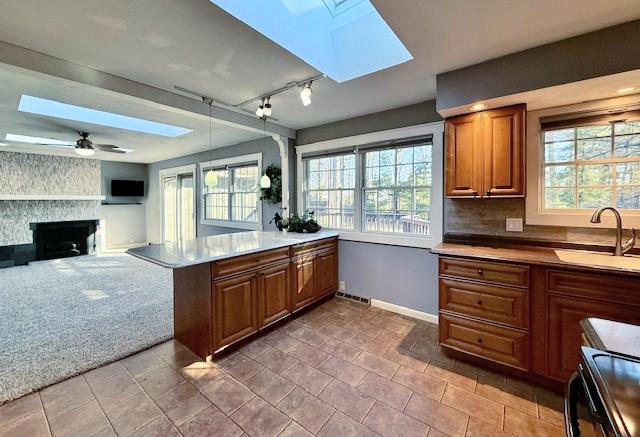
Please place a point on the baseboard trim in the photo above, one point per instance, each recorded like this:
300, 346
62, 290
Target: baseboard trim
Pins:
409, 312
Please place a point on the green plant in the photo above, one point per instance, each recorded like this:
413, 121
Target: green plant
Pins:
273, 194
309, 222
296, 224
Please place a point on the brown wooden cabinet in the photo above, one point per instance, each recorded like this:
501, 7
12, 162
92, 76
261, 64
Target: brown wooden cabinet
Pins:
235, 308
484, 153
273, 294
304, 291
326, 272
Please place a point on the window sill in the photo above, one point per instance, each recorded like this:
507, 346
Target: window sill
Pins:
235, 225
390, 239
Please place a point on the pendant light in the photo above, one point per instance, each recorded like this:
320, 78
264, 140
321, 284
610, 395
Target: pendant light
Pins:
210, 179
305, 94
265, 182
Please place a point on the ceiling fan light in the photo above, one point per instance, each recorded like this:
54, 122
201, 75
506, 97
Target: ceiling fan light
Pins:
83, 151
265, 182
211, 179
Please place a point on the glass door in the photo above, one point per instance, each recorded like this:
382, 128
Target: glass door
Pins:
178, 207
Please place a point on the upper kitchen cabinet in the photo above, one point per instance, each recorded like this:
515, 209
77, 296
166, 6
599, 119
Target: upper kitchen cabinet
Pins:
485, 153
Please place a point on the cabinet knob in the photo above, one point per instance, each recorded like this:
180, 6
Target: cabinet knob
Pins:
475, 193
479, 340
479, 302
479, 271
488, 193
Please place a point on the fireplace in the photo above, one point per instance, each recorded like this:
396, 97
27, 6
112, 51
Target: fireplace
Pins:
64, 239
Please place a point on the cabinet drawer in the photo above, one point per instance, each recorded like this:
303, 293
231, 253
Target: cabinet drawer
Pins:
314, 246
493, 303
502, 345
602, 287
504, 274
248, 262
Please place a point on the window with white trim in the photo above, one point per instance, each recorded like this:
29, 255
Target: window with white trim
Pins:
234, 197
382, 189
590, 166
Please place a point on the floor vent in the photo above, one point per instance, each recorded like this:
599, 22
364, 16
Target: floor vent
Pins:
359, 299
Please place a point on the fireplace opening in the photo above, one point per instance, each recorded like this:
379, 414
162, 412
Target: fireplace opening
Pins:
64, 239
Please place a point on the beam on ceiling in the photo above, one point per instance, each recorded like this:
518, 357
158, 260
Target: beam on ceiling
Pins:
42, 63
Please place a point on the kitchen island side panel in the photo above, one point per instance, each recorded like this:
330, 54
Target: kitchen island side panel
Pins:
192, 321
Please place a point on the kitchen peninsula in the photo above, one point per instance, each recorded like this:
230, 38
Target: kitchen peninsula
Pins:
228, 287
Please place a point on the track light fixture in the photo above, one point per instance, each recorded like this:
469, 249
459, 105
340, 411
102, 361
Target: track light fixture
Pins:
305, 94
267, 107
260, 110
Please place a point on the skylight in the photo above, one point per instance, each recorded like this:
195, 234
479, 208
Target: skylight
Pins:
344, 39
52, 108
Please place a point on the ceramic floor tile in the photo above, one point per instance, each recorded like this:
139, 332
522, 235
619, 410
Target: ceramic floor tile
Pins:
202, 374
84, 420
31, 425
210, 422
160, 380
314, 338
295, 430
270, 386
175, 354
255, 348
112, 390
445, 419
392, 423
291, 328
305, 409
385, 391
308, 378
406, 358
478, 428
343, 370
281, 341
517, 422
340, 349
342, 425
228, 394
64, 396
370, 344
240, 366
419, 382
391, 325
142, 362
380, 366
452, 376
23, 406
182, 403
310, 355
259, 419
347, 399
277, 360
473, 405
159, 427
501, 396
344, 334
129, 415
104, 372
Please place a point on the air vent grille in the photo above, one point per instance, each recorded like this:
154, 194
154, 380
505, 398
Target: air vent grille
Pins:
354, 298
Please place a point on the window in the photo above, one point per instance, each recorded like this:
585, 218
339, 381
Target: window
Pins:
591, 166
233, 200
380, 187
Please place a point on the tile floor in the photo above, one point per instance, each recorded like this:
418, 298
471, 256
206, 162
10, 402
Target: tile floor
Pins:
342, 369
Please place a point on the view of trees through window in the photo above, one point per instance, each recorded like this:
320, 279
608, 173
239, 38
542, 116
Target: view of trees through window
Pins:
592, 166
395, 194
235, 195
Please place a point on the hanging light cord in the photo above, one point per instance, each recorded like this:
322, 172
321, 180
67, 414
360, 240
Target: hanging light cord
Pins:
210, 134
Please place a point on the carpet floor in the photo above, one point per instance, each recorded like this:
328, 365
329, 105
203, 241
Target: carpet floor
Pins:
63, 317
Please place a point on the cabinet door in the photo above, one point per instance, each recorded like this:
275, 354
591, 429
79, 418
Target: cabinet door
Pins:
326, 273
303, 282
235, 309
503, 150
463, 155
564, 331
273, 294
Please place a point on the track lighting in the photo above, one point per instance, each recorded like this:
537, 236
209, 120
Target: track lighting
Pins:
305, 94
267, 108
260, 111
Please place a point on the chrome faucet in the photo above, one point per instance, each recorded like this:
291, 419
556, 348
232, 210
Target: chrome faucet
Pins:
621, 248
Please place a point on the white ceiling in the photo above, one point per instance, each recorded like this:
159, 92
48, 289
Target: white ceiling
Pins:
194, 44
148, 148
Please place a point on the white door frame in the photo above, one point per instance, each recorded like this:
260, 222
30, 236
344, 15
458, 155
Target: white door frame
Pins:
177, 171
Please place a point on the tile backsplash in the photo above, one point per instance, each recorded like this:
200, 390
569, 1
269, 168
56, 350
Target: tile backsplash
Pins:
25, 173
488, 216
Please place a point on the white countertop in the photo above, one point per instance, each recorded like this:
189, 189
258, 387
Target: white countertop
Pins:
216, 247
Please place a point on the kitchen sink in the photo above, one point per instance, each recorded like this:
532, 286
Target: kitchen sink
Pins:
630, 262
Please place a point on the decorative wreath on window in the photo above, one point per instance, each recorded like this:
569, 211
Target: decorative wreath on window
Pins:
273, 194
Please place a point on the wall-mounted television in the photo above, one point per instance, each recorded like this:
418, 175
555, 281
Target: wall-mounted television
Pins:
122, 188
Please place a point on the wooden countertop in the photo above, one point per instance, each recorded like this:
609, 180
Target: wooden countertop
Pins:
610, 336
584, 260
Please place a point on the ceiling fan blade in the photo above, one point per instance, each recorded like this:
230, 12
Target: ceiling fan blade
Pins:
67, 146
109, 148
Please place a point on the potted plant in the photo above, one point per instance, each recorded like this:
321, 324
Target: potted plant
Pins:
296, 224
310, 224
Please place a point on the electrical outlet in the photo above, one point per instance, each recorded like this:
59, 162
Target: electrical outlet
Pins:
342, 286
514, 224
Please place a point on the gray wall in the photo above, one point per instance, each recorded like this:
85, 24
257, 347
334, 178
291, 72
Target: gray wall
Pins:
399, 275
25, 173
608, 51
270, 155
123, 224
411, 115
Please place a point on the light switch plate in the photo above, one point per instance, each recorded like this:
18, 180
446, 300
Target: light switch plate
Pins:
514, 224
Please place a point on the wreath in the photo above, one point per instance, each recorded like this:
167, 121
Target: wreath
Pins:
273, 194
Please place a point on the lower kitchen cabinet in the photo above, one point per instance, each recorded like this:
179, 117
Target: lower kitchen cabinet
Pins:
304, 279
235, 308
326, 272
273, 294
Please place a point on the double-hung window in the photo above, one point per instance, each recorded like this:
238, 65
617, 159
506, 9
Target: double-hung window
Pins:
379, 191
233, 199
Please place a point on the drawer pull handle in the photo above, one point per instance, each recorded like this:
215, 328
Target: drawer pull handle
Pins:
479, 271
479, 340
479, 302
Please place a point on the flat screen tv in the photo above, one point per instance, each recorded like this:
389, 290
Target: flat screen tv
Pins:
122, 188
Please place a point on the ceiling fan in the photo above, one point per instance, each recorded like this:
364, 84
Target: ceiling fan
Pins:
83, 145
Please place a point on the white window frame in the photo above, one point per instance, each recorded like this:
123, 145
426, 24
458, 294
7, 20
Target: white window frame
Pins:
254, 157
436, 130
535, 213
